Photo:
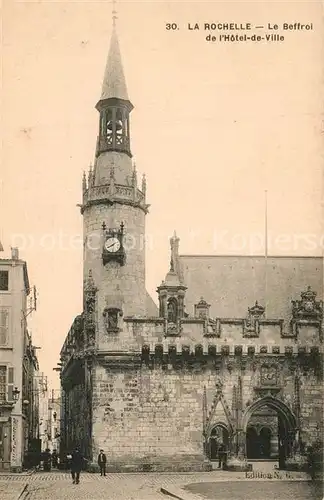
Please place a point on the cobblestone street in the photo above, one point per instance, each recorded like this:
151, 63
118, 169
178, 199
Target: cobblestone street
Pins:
215, 485
251, 490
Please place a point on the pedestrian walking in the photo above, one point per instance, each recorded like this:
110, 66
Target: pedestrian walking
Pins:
102, 460
54, 459
222, 456
47, 460
76, 465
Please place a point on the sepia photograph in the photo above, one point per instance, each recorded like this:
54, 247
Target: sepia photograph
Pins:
161, 250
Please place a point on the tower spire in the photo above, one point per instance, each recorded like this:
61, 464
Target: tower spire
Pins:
114, 82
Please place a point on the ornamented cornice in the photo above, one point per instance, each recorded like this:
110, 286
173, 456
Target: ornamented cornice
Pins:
114, 193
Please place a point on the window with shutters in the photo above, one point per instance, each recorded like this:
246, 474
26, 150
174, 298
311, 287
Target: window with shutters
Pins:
3, 383
4, 281
4, 326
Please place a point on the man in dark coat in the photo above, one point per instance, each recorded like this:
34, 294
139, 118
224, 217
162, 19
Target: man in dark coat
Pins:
102, 460
54, 459
76, 465
47, 458
221, 456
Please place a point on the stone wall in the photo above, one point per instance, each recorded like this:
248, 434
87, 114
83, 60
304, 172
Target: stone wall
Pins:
311, 408
152, 417
76, 423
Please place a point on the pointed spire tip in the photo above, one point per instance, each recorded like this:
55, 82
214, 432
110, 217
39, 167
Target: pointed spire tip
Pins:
114, 13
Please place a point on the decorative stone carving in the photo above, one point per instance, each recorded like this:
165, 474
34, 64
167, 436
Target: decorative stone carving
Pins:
269, 384
256, 311
172, 329
230, 366
111, 317
251, 350
269, 375
219, 397
172, 310
202, 309
212, 328
171, 292
251, 324
90, 291
308, 308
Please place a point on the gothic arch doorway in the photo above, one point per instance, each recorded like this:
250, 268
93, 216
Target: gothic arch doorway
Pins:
218, 435
270, 427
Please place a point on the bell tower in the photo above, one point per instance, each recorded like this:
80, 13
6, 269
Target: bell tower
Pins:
114, 208
114, 105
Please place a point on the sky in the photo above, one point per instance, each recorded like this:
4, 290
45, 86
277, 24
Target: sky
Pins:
214, 125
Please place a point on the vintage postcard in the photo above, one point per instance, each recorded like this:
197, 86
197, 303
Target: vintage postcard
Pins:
161, 249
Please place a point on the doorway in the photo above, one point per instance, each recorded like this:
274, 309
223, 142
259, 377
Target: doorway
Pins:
252, 443
259, 445
4, 446
265, 442
269, 427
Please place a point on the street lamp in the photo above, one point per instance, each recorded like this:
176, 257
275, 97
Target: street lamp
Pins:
15, 394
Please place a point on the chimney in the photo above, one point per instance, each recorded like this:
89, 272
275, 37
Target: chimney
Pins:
14, 253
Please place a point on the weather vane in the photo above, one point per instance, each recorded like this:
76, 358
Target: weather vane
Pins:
114, 12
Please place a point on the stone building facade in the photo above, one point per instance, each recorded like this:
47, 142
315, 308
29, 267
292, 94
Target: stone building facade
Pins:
159, 388
18, 366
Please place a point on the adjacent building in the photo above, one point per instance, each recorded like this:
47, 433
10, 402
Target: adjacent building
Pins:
43, 396
18, 365
54, 419
231, 355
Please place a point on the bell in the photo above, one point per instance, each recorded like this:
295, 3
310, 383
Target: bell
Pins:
119, 125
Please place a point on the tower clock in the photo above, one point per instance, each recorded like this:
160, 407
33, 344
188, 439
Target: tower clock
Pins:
113, 249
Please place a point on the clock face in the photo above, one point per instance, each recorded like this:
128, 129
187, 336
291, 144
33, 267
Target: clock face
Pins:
112, 245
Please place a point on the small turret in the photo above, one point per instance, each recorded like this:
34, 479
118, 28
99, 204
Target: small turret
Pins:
172, 291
